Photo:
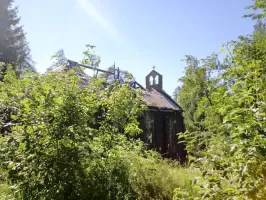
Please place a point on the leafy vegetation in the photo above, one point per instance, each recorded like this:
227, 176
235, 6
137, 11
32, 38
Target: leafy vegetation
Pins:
61, 140
226, 123
64, 141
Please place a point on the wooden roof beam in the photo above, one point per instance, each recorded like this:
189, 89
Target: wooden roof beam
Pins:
89, 67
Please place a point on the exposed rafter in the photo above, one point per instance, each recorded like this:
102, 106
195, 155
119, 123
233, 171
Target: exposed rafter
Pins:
73, 63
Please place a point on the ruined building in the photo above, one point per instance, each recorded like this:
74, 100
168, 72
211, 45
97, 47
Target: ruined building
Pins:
163, 120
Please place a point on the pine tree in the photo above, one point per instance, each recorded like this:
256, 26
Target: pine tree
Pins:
14, 48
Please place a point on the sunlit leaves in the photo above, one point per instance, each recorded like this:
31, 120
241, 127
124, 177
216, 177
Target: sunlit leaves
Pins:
57, 129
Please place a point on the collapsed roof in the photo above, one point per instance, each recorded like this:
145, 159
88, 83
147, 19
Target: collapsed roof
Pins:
153, 95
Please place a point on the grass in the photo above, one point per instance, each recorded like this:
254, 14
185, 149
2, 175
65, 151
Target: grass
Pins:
5, 190
148, 178
158, 180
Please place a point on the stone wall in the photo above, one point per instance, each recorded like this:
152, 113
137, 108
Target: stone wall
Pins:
159, 133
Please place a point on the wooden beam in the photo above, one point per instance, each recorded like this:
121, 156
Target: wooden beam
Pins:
90, 67
136, 83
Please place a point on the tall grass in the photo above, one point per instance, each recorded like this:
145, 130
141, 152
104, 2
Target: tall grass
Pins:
6, 192
157, 179
148, 179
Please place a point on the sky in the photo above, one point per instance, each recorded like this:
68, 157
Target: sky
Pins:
135, 34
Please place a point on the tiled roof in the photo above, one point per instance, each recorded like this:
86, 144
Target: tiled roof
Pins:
159, 99
83, 76
153, 97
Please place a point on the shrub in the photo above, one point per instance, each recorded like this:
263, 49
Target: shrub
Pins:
69, 142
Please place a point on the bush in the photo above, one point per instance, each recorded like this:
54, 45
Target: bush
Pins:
53, 131
233, 164
64, 141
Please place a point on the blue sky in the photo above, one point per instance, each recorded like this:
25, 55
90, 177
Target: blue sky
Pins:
135, 34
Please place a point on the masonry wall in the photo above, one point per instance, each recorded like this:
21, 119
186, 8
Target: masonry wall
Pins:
159, 133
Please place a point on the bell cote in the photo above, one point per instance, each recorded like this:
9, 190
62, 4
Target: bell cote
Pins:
154, 80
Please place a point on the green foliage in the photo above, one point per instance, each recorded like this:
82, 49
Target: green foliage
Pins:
259, 9
233, 163
90, 58
63, 141
240, 163
53, 130
124, 76
5, 189
59, 58
194, 96
157, 180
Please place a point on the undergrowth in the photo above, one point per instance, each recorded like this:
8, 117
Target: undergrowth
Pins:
63, 141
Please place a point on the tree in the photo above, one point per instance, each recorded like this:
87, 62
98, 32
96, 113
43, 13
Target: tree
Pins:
233, 164
260, 26
194, 96
110, 77
259, 9
90, 58
237, 156
14, 48
60, 60
197, 85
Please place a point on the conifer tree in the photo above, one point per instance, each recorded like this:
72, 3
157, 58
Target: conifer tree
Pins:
14, 47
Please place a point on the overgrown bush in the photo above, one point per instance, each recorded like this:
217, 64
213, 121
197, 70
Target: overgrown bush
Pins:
65, 141
52, 131
233, 163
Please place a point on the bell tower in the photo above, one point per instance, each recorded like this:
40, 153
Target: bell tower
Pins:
154, 80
